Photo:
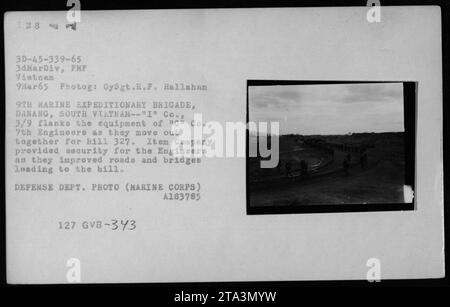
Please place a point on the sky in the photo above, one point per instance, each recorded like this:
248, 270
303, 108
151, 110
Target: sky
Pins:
329, 108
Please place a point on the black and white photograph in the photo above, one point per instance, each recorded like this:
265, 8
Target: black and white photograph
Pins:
340, 144
224, 151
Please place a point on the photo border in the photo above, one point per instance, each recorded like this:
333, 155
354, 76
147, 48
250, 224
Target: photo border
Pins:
410, 120
289, 291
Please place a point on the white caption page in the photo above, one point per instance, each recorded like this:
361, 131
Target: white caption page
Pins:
95, 196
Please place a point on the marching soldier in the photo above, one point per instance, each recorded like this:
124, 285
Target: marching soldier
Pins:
346, 166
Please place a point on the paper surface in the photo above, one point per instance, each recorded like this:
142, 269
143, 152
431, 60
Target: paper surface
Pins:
125, 61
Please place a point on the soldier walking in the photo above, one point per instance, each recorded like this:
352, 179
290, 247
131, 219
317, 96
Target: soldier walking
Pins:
346, 166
